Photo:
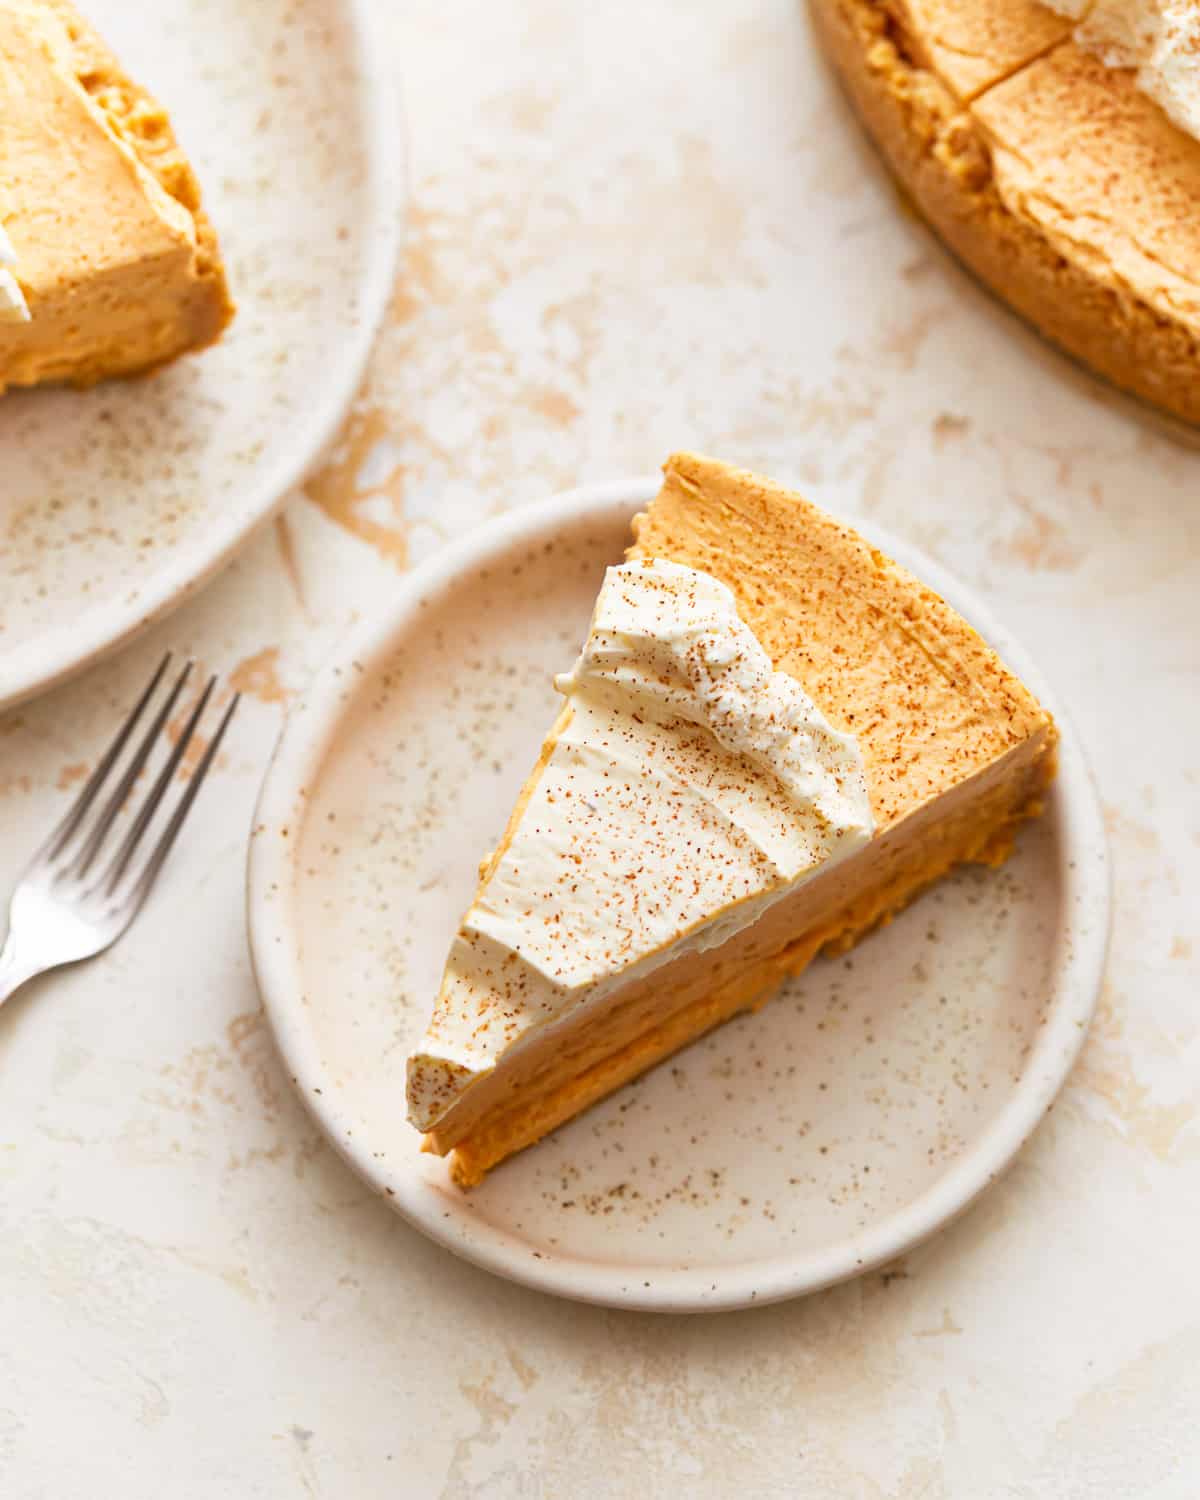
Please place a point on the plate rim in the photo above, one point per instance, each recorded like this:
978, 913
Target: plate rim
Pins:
298, 757
57, 654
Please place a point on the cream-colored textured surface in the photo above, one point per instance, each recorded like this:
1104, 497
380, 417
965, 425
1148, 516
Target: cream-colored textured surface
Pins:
614, 254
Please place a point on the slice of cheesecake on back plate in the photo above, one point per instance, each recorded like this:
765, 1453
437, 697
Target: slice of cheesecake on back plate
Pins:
774, 738
108, 264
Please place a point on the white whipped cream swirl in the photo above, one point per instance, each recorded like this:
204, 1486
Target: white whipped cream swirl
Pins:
690, 786
13, 307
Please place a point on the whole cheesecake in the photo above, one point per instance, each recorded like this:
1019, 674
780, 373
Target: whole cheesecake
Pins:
773, 739
108, 264
1056, 152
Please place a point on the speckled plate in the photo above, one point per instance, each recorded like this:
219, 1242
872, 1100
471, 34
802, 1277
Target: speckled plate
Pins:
118, 501
855, 1115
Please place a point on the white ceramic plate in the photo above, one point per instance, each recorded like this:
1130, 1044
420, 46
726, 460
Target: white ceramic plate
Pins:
887, 1088
117, 501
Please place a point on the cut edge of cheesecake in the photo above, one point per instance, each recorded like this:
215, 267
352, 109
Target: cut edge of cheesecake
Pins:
940, 149
139, 120
950, 779
138, 123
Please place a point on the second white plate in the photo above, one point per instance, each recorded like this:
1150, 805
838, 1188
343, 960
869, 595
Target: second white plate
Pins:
888, 1087
118, 501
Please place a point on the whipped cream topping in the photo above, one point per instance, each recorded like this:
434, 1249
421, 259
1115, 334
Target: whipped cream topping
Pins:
1160, 38
689, 786
13, 307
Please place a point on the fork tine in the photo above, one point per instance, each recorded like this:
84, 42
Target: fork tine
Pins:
154, 864
149, 806
82, 862
70, 821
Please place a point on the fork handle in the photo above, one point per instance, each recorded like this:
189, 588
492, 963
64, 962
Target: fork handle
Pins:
14, 970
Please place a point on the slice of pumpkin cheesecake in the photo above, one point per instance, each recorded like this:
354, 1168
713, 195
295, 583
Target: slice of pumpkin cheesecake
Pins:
773, 739
108, 264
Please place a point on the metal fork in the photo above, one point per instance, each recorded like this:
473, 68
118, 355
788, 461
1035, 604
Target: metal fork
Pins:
75, 899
